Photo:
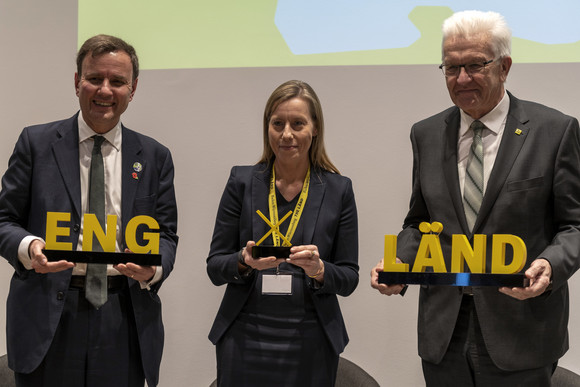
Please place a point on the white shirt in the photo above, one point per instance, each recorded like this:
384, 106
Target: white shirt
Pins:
491, 136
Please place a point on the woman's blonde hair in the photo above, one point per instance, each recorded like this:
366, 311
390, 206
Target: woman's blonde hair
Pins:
298, 89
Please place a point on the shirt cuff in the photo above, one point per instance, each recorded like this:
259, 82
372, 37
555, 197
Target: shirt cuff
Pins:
156, 278
23, 247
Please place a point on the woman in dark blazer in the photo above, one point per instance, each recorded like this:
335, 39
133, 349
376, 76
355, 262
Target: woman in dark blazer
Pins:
279, 323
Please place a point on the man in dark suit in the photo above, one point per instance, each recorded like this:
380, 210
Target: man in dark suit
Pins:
56, 336
515, 174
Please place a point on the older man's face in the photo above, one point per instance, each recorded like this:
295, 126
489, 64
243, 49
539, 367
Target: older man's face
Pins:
477, 93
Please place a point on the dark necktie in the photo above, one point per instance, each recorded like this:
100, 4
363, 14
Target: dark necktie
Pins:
96, 285
473, 187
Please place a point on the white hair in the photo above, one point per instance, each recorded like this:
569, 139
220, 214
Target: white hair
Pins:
466, 24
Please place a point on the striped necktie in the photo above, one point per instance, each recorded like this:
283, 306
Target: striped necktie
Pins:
96, 281
473, 187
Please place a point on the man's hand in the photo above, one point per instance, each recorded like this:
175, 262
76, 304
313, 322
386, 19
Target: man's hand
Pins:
540, 276
389, 290
40, 263
136, 272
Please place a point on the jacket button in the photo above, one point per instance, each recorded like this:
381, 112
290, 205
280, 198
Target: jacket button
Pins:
60, 296
76, 228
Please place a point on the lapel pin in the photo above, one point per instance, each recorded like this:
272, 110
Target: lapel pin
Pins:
135, 176
518, 131
137, 167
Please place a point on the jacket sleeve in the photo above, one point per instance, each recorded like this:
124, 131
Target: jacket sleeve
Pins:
409, 238
341, 266
166, 216
15, 201
222, 262
562, 253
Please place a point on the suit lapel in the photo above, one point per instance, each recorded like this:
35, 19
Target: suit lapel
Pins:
133, 167
312, 208
450, 166
511, 144
66, 154
260, 188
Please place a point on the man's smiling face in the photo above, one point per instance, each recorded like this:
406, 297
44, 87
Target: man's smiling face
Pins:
105, 89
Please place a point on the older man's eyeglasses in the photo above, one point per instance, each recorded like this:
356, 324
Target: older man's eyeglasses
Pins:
470, 68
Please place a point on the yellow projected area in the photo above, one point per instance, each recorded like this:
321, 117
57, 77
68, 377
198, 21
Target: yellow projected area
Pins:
172, 34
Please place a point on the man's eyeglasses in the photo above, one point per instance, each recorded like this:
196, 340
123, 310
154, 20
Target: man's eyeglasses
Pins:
470, 68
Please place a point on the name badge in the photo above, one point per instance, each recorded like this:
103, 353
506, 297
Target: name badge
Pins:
277, 284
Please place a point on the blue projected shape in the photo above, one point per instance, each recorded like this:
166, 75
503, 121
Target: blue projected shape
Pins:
462, 279
325, 26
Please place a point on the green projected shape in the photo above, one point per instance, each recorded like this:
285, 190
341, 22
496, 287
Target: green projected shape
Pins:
172, 34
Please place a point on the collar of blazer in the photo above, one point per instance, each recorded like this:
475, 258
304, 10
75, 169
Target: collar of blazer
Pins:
132, 149
66, 153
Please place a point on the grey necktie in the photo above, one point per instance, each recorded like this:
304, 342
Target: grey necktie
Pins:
96, 285
473, 187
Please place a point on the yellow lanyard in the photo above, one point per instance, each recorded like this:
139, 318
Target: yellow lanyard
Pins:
272, 203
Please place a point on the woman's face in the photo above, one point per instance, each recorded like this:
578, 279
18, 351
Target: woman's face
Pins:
290, 131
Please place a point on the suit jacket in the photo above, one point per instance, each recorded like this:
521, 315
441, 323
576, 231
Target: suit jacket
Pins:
533, 192
330, 222
44, 175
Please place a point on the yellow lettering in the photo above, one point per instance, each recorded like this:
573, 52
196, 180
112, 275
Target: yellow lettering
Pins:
430, 254
461, 252
153, 238
498, 265
390, 257
93, 227
53, 231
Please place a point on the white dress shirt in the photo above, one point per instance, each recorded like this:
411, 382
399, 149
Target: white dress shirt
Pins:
491, 136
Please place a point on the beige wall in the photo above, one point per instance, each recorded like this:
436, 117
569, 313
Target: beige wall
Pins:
211, 119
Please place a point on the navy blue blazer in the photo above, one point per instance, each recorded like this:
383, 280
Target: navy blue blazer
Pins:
44, 175
329, 221
533, 192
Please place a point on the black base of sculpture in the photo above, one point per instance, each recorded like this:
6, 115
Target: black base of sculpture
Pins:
270, 251
453, 279
102, 257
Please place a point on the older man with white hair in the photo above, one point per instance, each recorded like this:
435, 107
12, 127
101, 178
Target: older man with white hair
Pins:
493, 164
